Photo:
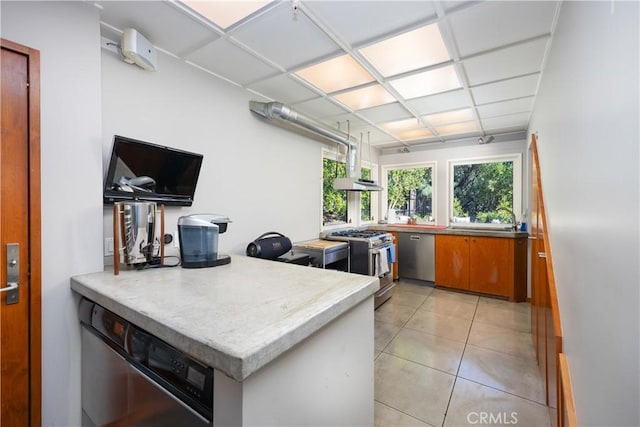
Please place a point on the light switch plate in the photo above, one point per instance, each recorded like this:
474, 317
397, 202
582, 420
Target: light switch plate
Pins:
108, 246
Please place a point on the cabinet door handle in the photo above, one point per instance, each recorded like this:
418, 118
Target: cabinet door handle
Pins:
415, 237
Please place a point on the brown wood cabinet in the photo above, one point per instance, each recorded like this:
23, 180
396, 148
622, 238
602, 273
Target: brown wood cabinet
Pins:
494, 266
452, 261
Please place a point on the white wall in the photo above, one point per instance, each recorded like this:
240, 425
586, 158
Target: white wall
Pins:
586, 115
263, 177
441, 154
67, 35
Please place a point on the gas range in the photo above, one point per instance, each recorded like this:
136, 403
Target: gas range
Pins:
372, 237
370, 252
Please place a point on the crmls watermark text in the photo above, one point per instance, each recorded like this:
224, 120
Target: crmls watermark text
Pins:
492, 418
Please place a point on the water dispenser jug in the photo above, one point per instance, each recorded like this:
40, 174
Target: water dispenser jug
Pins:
198, 234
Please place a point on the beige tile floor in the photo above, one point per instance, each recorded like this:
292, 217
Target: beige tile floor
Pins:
451, 359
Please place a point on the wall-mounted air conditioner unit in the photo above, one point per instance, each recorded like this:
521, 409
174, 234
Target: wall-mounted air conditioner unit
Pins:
136, 49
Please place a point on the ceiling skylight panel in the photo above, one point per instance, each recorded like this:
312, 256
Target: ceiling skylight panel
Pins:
408, 51
427, 83
457, 128
336, 74
414, 134
401, 125
407, 129
225, 13
366, 97
450, 117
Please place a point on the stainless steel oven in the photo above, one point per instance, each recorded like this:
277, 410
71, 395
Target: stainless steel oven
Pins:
371, 253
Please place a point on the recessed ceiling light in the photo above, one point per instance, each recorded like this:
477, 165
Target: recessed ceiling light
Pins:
224, 13
408, 51
336, 74
457, 128
456, 116
370, 96
427, 83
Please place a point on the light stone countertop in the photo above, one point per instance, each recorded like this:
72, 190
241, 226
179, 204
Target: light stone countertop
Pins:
235, 318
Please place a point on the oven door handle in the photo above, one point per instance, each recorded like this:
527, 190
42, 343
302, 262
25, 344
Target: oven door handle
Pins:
385, 291
376, 251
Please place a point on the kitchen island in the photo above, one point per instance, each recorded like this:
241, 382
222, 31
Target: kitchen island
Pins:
288, 344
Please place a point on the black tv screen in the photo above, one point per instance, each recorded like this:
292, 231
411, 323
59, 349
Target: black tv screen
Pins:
140, 170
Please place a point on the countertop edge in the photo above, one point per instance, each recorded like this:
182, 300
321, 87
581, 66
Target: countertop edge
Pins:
211, 357
238, 367
254, 362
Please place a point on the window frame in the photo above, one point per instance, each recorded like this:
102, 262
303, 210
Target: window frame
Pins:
334, 155
384, 202
375, 196
353, 197
517, 207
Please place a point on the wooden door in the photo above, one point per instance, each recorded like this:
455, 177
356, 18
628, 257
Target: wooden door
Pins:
491, 265
452, 261
20, 338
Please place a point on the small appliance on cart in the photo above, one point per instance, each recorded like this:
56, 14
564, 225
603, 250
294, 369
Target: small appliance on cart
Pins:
276, 247
326, 254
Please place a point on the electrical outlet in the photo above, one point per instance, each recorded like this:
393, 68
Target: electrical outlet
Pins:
108, 246
176, 241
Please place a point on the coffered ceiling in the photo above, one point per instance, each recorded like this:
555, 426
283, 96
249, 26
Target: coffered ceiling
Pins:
402, 73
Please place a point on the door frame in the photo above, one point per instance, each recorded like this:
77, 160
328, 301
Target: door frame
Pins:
35, 231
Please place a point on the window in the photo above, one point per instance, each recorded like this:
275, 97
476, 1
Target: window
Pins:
365, 198
340, 207
410, 193
485, 191
334, 202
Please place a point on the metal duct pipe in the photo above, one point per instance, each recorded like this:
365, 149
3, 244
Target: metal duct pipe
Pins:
277, 110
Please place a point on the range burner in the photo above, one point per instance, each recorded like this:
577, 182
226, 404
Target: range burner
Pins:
372, 237
362, 234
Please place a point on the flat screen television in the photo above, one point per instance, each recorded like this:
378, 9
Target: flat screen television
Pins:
143, 171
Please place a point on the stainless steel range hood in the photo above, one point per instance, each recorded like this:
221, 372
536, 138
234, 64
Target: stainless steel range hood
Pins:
278, 111
355, 184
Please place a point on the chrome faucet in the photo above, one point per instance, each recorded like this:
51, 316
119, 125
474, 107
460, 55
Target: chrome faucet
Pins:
513, 216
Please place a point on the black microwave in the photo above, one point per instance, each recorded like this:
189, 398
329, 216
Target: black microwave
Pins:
144, 171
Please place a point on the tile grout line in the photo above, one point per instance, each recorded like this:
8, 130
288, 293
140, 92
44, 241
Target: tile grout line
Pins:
415, 310
456, 375
505, 392
402, 412
403, 324
455, 380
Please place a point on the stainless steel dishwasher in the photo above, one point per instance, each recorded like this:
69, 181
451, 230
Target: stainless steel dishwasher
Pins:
132, 378
416, 256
